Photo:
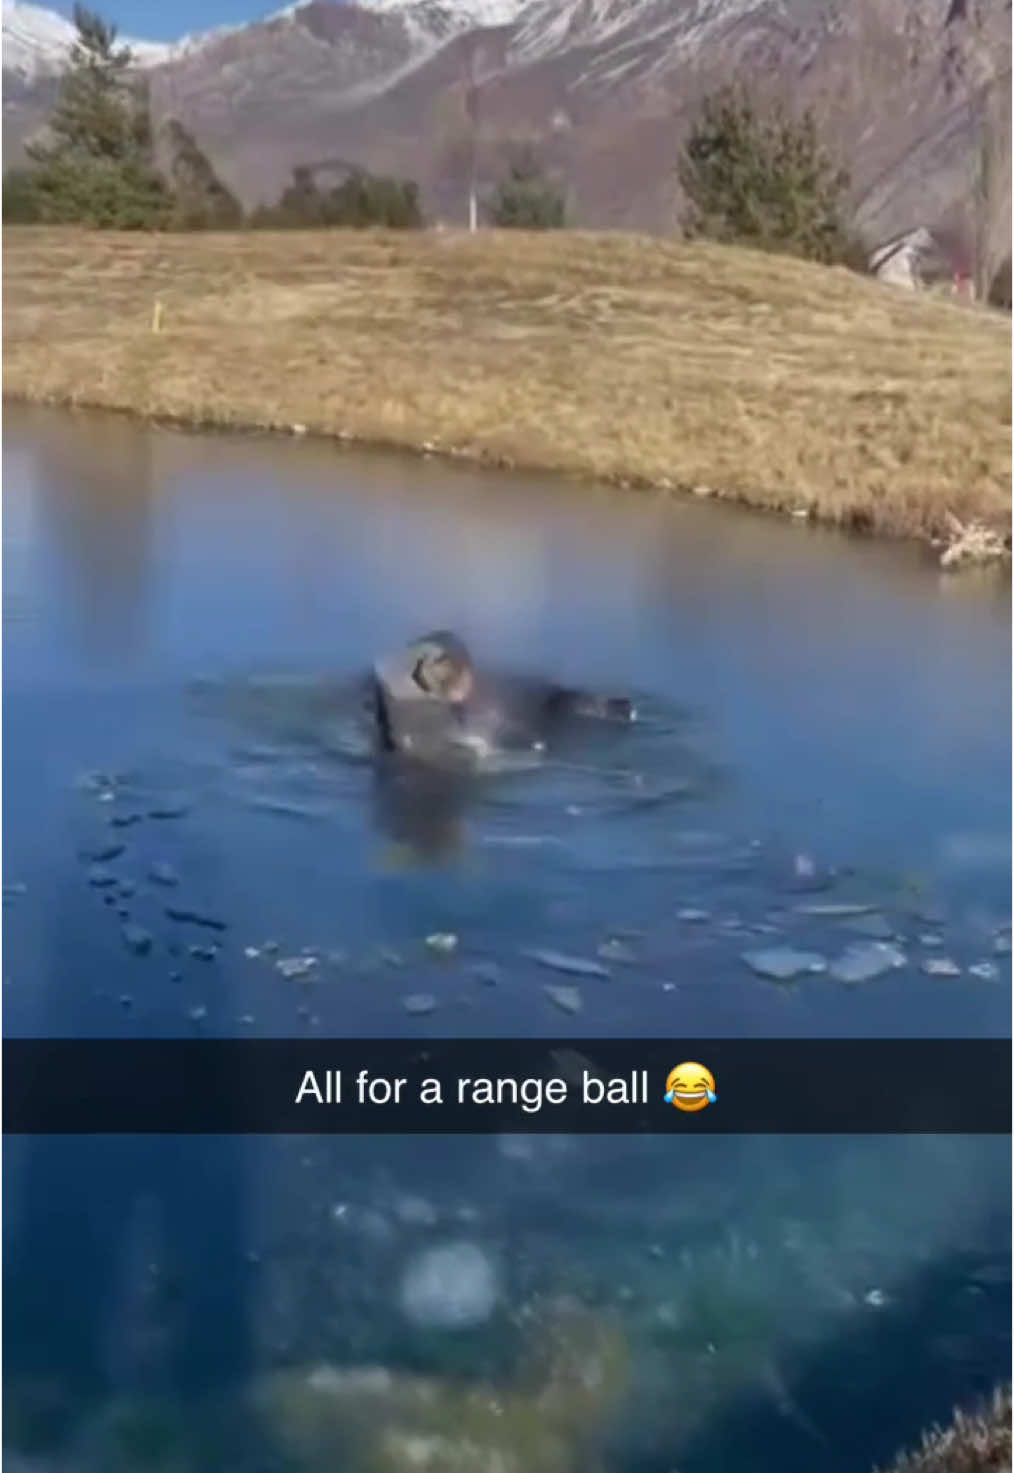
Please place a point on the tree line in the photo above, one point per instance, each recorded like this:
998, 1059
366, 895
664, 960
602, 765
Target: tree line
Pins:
97, 165
747, 176
751, 175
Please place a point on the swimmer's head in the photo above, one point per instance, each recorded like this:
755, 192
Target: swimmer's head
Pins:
443, 667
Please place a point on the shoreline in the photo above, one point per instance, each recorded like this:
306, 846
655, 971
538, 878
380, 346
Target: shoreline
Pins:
971, 545
333, 335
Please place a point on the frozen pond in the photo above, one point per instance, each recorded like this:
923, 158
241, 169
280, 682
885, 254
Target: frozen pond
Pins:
820, 779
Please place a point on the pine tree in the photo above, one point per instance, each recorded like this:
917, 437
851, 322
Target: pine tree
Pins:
96, 167
202, 202
527, 200
763, 178
94, 115
360, 201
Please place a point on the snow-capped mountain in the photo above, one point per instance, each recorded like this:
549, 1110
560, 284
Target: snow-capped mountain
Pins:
603, 87
461, 15
37, 42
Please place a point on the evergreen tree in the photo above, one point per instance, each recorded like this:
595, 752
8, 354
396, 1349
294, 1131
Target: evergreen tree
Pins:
201, 200
96, 166
763, 179
364, 199
301, 203
360, 201
527, 200
20, 205
93, 115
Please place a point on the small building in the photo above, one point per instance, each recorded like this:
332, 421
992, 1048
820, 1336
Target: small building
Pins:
913, 260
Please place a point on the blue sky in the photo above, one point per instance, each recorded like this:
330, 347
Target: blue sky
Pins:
167, 22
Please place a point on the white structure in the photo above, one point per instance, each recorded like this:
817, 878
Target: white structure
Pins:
903, 261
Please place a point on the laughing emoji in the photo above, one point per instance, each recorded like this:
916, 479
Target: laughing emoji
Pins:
690, 1087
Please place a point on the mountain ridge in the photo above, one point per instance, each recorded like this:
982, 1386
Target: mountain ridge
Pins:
604, 88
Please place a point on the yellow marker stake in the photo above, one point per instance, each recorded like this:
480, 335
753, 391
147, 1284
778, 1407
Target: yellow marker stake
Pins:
156, 316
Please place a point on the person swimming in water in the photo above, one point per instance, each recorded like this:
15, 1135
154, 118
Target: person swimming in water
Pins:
429, 702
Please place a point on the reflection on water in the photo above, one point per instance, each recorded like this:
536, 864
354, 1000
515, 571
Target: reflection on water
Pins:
823, 762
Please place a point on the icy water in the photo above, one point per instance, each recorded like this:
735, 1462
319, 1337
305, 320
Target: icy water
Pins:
823, 724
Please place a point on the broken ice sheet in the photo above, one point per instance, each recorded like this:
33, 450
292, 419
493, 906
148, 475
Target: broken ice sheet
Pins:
567, 999
833, 909
617, 950
875, 925
442, 942
186, 915
102, 853
419, 1003
560, 961
941, 966
137, 939
294, 968
864, 960
489, 973
783, 963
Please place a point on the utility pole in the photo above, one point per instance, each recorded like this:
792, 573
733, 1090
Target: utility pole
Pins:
472, 111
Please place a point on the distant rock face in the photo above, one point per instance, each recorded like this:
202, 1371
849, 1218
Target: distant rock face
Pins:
605, 86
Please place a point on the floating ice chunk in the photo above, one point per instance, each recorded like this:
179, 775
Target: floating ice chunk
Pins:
452, 1287
941, 966
137, 939
616, 950
442, 942
102, 853
419, 1003
865, 960
295, 968
560, 961
567, 999
488, 973
782, 963
874, 925
185, 915
833, 909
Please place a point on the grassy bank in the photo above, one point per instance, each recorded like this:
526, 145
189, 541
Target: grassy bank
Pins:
785, 385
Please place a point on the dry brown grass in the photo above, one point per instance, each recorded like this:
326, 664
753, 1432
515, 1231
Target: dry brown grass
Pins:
779, 383
976, 1442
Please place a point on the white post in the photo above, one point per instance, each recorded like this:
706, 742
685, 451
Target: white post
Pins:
472, 110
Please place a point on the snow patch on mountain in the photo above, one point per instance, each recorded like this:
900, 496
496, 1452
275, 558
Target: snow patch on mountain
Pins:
547, 27
455, 15
37, 42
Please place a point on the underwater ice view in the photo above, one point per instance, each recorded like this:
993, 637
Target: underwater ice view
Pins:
805, 833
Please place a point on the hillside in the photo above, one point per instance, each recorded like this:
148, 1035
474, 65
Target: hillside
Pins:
777, 382
604, 87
